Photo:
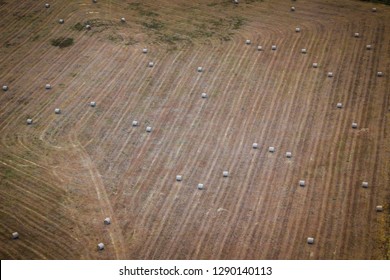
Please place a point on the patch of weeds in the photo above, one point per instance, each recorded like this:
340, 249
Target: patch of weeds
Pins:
78, 27
115, 38
62, 42
148, 13
73, 74
153, 24
237, 22
36, 37
131, 41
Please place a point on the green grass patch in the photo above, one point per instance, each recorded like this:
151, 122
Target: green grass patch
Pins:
78, 27
153, 24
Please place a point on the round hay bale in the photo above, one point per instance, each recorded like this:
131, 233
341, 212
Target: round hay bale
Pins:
145, 50
57, 111
92, 104
310, 240
292, 9
204, 95
29, 121
259, 48
151, 64
107, 221
248, 42
303, 51
365, 184
271, 149
100, 246
135, 123
47, 86
354, 125
297, 29
200, 186
288, 154
123, 19
339, 105
61, 21
373, 10
356, 35
273, 47
368, 47
379, 208
15, 235
148, 129
302, 183
179, 178
47, 5
200, 69
5, 88
315, 65
330, 74
235, 1
379, 74
255, 145
225, 173
94, 1
88, 27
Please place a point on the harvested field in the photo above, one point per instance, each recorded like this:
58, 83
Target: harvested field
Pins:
61, 176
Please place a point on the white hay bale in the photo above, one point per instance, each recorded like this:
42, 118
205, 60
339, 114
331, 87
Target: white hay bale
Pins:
302, 183
255, 145
373, 10
200, 186
330, 74
365, 184
273, 47
235, 1
259, 48
288, 154
135, 123
151, 64
5, 88
92, 104
15, 235
339, 105
303, 51
123, 19
94, 1
248, 42
354, 125
379, 74
145, 50
356, 35
148, 129
200, 69
225, 174
271, 149
61, 21
315, 65
310, 240
29, 121
204, 95
100, 246
88, 27
47, 5
368, 47
297, 29
107, 221
292, 9
47, 86
57, 111
379, 208
179, 178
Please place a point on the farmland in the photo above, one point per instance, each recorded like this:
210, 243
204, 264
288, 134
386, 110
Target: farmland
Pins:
61, 176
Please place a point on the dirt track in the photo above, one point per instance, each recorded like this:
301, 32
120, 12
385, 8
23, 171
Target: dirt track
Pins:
61, 176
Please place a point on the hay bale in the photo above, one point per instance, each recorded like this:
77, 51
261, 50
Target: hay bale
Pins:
273, 47
179, 178
379, 74
354, 125
61, 21
330, 74
145, 50
204, 95
107, 221
356, 35
297, 29
5, 88
123, 19
288, 154
88, 27
235, 1
248, 42
92, 104
150, 64
379, 208
47, 5
148, 129
339, 105
365, 185
57, 111
292, 9
15, 235
373, 10
315, 65
225, 174
303, 51
135, 123
29, 121
255, 145
271, 149
259, 48
200, 69
368, 47
310, 240
302, 183
200, 186
94, 1
100, 246
47, 86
